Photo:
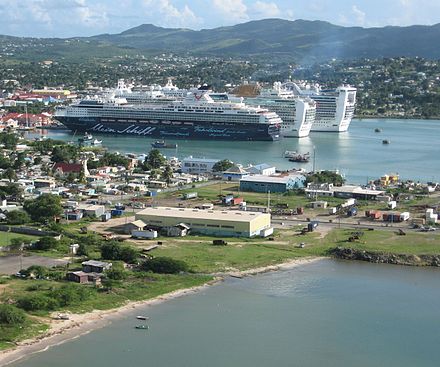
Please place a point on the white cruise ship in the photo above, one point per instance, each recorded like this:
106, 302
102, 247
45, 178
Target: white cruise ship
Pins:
334, 109
297, 113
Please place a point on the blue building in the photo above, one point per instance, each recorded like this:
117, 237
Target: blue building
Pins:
281, 184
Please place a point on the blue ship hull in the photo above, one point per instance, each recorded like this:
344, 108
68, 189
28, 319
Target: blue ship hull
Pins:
174, 129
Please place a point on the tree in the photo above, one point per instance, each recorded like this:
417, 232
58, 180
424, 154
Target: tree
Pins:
46, 243
326, 177
167, 174
155, 159
45, 207
18, 243
11, 315
17, 217
222, 165
164, 265
64, 153
9, 140
113, 250
36, 302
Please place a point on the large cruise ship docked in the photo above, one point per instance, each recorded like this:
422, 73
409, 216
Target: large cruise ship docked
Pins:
297, 113
197, 116
334, 108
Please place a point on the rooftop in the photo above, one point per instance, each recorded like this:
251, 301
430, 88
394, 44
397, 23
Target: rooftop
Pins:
228, 215
271, 179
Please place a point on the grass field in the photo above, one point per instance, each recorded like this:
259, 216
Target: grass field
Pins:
6, 237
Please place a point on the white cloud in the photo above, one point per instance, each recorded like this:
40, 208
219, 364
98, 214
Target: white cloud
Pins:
170, 14
266, 10
359, 15
233, 10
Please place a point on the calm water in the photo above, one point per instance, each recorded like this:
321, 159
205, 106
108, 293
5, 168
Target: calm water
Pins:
359, 153
327, 313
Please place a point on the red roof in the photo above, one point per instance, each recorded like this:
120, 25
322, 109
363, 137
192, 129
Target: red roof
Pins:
68, 167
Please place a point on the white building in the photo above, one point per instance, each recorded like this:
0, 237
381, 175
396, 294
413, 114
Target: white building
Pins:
198, 166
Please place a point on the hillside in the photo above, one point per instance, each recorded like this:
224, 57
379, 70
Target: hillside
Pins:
304, 40
277, 39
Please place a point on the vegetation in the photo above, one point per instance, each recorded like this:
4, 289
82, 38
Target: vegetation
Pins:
326, 177
164, 265
44, 208
114, 250
222, 165
17, 217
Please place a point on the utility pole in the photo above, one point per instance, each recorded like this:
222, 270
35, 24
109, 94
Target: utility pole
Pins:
314, 158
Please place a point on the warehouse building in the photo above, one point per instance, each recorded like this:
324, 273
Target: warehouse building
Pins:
210, 222
281, 183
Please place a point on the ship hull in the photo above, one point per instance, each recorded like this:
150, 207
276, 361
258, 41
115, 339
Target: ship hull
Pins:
174, 129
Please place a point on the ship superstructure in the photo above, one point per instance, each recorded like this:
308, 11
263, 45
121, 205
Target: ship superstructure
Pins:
334, 108
197, 116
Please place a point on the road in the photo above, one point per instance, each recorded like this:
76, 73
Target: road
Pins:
11, 264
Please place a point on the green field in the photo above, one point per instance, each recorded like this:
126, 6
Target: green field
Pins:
6, 237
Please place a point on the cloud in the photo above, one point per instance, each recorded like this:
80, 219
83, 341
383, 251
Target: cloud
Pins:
266, 10
232, 10
359, 15
171, 15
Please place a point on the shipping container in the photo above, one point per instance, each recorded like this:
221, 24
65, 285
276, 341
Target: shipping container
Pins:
106, 216
332, 211
237, 201
404, 216
144, 234
392, 204
312, 226
190, 195
116, 213
352, 212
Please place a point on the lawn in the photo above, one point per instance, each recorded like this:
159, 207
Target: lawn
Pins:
6, 237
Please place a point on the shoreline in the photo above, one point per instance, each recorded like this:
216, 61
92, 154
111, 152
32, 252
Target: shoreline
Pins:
61, 331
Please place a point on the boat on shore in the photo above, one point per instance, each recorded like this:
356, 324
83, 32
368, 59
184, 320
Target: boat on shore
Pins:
290, 153
141, 327
164, 145
386, 141
142, 318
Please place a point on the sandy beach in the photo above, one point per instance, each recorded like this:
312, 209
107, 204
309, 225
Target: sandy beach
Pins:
61, 331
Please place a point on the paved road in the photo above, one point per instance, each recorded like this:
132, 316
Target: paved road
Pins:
11, 264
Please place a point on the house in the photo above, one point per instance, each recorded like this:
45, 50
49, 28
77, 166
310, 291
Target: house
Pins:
62, 169
74, 215
262, 169
179, 230
319, 204
280, 183
137, 225
44, 183
83, 277
198, 166
93, 266
94, 211
235, 173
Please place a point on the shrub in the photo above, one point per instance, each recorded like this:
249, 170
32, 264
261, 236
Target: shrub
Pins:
17, 217
113, 250
164, 265
46, 243
70, 294
11, 315
37, 302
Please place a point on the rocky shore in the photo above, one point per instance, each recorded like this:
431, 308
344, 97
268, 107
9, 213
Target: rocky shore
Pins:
386, 258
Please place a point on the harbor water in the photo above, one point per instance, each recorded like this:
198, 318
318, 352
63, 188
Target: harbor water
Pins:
359, 153
327, 313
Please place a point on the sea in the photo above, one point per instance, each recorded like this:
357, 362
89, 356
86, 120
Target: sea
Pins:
358, 154
326, 313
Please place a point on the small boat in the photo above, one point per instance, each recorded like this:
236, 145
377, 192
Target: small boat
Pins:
377, 130
142, 317
300, 158
290, 153
63, 316
96, 142
386, 141
163, 144
141, 327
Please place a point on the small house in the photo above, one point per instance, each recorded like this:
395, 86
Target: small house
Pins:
93, 266
137, 225
180, 230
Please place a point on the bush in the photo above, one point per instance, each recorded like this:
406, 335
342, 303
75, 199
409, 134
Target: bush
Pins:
70, 294
17, 217
164, 265
113, 250
37, 302
11, 315
46, 243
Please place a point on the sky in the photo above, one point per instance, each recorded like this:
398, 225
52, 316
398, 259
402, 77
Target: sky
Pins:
69, 18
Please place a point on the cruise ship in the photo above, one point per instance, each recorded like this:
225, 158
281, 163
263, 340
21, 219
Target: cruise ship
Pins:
197, 116
334, 108
297, 113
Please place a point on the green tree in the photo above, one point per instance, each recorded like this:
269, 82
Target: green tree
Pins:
155, 159
222, 165
45, 207
167, 174
113, 250
17, 217
11, 315
164, 265
64, 153
46, 243
9, 140
37, 302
